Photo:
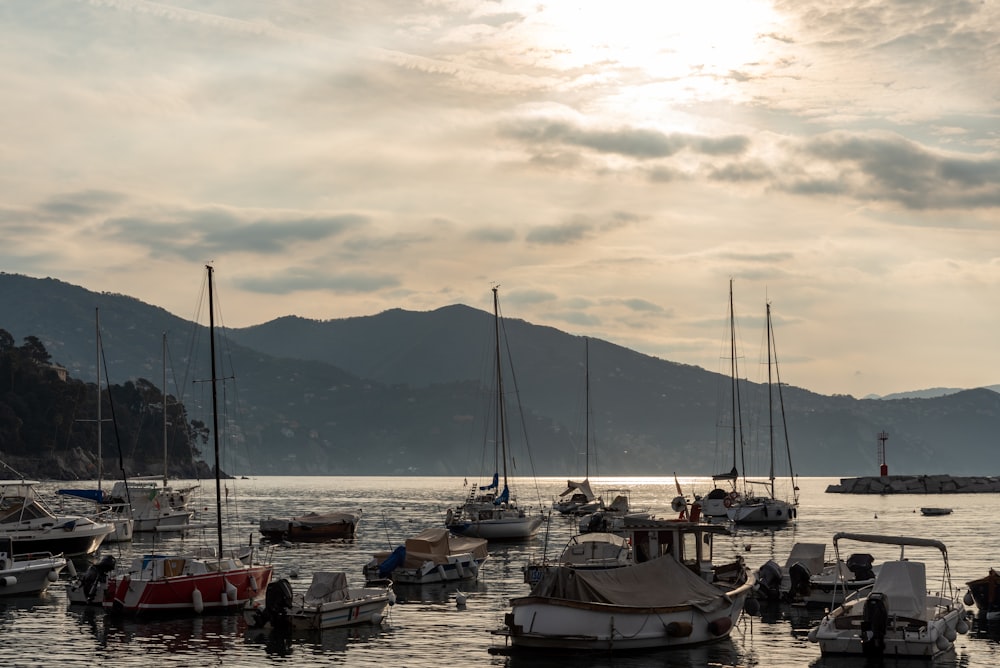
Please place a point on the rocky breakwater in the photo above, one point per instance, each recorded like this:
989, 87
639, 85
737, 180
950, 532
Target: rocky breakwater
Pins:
917, 484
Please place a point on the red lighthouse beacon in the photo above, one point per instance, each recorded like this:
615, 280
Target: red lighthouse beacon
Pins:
883, 468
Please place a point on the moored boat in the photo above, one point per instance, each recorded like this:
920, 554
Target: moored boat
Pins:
674, 596
433, 555
935, 511
24, 574
328, 603
898, 615
985, 593
311, 527
33, 527
588, 551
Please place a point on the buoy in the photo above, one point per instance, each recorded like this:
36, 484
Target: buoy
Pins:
197, 602
293, 572
460, 599
53, 575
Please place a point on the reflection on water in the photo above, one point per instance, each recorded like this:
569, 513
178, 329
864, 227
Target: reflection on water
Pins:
427, 629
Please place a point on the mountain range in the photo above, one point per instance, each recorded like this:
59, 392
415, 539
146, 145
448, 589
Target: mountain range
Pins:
401, 392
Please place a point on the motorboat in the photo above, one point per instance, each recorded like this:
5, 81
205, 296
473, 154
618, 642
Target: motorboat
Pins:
154, 507
610, 518
34, 528
586, 551
808, 579
934, 512
581, 499
311, 527
899, 615
673, 596
985, 593
26, 574
89, 588
433, 555
328, 603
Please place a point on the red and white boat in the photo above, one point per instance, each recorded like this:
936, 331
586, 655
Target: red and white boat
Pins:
190, 584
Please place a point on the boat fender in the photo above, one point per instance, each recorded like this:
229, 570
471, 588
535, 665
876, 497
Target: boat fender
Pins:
441, 572
392, 598
751, 606
232, 593
679, 629
950, 634
962, 626
53, 575
459, 570
8, 581
71, 569
376, 618
252, 581
197, 601
942, 643
814, 634
968, 599
727, 502
720, 626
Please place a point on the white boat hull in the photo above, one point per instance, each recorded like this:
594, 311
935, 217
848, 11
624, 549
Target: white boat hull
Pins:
906, 639
770, 511
512, 528
28, 576
365, 606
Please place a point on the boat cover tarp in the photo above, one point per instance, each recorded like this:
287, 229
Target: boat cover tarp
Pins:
327, 587
436, 544
810, 555
904, 583
315, 520
658, 583
583, 486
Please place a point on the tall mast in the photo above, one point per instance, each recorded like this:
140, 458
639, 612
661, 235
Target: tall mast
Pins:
215, 409
164, 409
586, 361
501, 412
770, 397
100, 454
734, 379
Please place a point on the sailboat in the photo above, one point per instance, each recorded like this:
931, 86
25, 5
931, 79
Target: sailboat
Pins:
116, 513
582, 499
190, 583
156, 507
489, 512
720, 499
768, 508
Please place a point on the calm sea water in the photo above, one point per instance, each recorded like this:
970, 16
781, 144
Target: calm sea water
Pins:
426, 628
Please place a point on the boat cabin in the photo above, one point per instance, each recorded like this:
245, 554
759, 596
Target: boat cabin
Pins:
689, 543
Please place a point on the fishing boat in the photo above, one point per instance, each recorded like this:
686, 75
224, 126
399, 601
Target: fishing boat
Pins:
768, 508
717, 502
26, 574
488, 511
898, 615
581, 498
673, 596
433, 555
33, 527
328, 603
311, 527
985, 593
184, 584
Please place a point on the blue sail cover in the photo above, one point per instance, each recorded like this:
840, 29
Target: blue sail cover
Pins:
493, 485
89, 494
504, 497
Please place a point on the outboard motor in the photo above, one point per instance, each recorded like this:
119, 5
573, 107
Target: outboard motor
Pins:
769, 581
798, 574
96, 575
874, 622
277, 600
861, 566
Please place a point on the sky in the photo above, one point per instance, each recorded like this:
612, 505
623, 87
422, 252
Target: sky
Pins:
610, 165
